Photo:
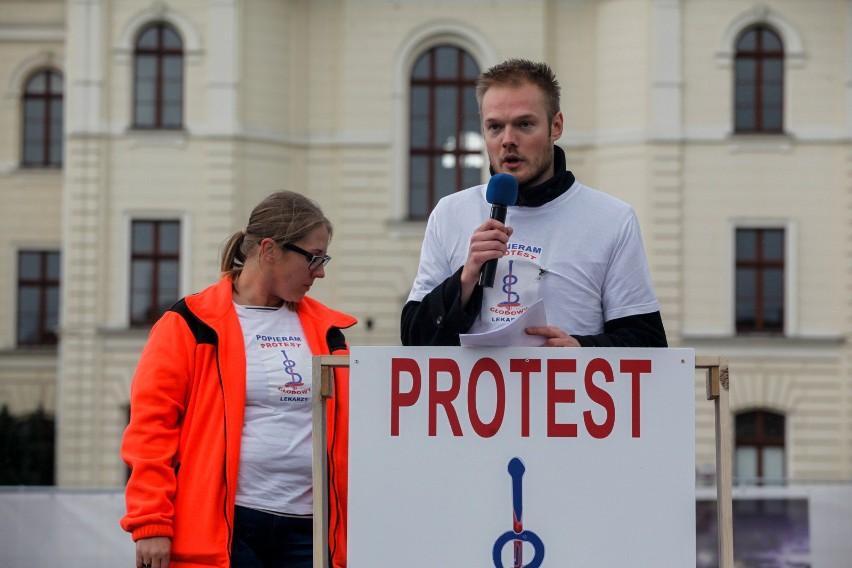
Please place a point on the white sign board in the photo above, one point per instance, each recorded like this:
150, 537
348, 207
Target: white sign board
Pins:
512, 457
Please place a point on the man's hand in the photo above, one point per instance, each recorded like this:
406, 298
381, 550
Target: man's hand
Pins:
555, 336
488, 242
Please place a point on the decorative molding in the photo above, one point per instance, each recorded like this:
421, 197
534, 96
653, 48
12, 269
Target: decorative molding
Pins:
158, 11
754, 392
431, 34
794, 52
47, 59
667, 62
156, 138
791, 265
32, 32
848, 83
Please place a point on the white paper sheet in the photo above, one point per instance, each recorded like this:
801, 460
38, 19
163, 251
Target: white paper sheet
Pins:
512, 334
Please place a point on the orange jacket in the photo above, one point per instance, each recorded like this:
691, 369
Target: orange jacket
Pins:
183, 442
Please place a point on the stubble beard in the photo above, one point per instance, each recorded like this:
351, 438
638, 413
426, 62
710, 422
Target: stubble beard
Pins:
542, 173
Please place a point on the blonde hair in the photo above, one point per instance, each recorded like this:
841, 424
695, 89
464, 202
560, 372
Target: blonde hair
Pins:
284, 216
516, 72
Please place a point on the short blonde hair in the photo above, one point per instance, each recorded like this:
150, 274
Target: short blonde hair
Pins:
516, 72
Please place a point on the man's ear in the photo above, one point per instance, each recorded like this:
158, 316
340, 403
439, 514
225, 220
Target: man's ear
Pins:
556, 126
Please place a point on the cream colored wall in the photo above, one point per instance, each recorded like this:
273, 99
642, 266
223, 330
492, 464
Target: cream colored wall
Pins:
274, 66
795, 188
623, 69
114, 174
814, 402
31, 39
576, 65
311, 96
797, 182
378, 250
28, 382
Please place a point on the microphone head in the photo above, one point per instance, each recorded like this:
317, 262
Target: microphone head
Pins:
502, 190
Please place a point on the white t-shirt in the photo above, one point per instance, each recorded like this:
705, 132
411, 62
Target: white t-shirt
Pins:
275, 452
582, 253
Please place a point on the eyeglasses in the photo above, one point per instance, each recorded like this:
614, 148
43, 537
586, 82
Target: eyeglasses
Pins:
314, 261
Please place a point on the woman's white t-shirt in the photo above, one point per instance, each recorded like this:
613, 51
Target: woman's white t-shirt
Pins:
276, 451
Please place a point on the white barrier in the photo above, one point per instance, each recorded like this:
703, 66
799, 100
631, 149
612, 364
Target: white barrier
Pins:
45, 527
499, 457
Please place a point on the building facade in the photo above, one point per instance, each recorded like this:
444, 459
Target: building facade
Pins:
136, 135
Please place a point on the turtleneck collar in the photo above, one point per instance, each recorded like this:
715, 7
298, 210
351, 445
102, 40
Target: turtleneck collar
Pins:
547, 191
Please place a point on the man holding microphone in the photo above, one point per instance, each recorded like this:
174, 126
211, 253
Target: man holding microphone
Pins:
576, 248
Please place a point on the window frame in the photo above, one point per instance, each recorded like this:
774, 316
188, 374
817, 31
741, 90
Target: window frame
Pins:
50, 134
44, 336
432, 151
159, 53
760, 441
761, 58
761, 265
156, 257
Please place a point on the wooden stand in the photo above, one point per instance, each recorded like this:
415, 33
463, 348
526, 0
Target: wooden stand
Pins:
323, 389
717, 391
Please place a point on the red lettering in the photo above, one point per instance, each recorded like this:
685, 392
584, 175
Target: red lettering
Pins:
555, 396
445, 383
444, 398
399, 398
601, 397
525, 367
487, 365
636, 367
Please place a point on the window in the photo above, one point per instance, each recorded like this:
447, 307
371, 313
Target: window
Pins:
158, 78
42, 121
38, 297
760, 281
445, 146
759, 82
154, 263
760, 448
27, 448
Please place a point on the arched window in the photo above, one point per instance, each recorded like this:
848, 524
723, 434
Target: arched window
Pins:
445, 144
759, 82
760, 448
158, 78
42, 120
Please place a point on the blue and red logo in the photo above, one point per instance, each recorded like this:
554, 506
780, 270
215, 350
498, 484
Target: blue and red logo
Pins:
518, 536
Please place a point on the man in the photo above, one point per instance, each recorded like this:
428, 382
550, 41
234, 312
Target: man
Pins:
576, 248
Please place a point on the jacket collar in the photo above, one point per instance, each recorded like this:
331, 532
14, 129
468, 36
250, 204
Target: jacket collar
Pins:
212, 304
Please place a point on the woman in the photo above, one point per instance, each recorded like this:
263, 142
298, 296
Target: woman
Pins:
219, 439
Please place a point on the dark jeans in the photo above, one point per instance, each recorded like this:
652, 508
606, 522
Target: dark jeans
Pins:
263, 540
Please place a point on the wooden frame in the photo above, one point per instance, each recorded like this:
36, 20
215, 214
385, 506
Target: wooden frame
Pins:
323, 389
716, 369
44, 99
718, 387
434, 150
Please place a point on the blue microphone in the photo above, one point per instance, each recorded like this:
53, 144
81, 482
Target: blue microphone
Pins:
502, 191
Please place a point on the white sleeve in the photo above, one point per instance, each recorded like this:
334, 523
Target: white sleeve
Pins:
434, 265
628, 289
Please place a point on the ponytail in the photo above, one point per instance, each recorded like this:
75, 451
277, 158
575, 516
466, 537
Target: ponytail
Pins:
234, 256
